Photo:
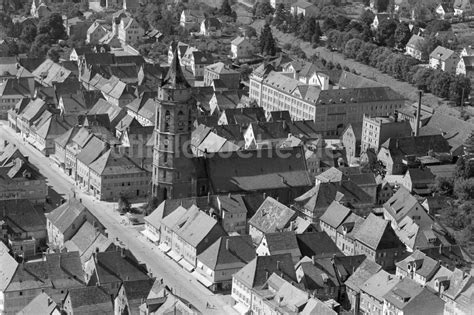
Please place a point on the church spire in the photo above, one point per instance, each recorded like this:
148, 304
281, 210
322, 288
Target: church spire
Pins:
175, 78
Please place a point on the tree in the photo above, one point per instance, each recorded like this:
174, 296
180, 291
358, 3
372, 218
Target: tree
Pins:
53, 26
367, 17
381, 5
317, 33
363, 55
460, 87
263, 9
267, 42
464, 188
440, 83
28, 33
123, 204
402, 35
225, 8
308, 28
443, 185
352, 47
341, 22
385, 34
328, 24
426, 46
53, 54
436, 26
153, 15
280, 16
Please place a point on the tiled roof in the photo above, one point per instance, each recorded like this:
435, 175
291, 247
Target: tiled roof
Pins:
319, 197
315, 306
379, 284
238, 40
137, 289
281, 241
92, 151
455, 130
256, 272
228, 250
425, 265
14, 87
272, 216
441, 53
418, 146
8, 269
33, 109
64, 139
60, 270
335, 214
358, 95
195, 227
91, 296
377, 233
365, 270
117, 266
401, 203
21, 216
260, 170
415, 41
221, 68
244, 115
317, 244
350, 80
270, 130
41, 304
63, 216
404, 292
212, 22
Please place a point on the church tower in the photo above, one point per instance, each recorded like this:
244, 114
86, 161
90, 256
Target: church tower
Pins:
173, 167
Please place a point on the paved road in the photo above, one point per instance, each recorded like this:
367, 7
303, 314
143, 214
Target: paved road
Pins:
182, 282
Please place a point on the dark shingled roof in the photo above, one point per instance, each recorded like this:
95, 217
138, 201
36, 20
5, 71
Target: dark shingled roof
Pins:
228, 250
261, 169
317, 244
138, 289
91, 296
279, 241
175, 77
256, 273
358, 95
419, 146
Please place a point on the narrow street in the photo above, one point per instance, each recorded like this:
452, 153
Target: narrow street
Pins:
182, 282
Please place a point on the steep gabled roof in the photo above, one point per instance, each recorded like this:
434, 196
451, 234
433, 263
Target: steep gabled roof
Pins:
317, 244
228, 250
335, 214
271, 216
91, 296
63, 216
377, 233
256, 273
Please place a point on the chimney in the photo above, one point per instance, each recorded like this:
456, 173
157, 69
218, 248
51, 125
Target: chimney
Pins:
208, 198
227, 244
266, 275
264, 196
440, 249
313, 259
418, 113
278, 265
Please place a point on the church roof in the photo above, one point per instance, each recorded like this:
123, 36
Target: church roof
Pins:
175, 77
